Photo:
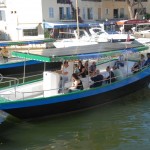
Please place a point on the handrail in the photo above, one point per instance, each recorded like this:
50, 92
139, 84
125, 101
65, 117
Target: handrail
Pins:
18, 79
33, 92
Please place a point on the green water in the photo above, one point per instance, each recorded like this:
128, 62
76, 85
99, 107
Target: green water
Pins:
121, 125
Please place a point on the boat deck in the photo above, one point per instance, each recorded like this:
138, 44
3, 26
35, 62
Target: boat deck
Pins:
36, 89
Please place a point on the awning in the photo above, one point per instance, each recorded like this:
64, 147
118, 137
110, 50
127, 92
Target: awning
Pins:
27, 26
64, 25
129, 22
121, 22
82, 52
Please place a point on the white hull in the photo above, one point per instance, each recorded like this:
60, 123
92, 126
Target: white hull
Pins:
72, 42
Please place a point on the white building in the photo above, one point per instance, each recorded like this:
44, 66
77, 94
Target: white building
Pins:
23, 19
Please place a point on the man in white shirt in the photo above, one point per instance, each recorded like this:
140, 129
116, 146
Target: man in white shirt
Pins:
64, 76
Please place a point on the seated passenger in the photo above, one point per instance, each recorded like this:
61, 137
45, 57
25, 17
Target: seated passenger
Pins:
81, 69
76, 84
136, 67
142, 61
118, 73
92, 68
86, 66
111, 78
148, 60
76, 69
97, 78
120, 61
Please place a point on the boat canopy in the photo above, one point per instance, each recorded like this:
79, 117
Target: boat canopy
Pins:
82, 52
10, 43
59, 25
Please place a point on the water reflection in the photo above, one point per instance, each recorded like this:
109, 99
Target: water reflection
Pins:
122, 125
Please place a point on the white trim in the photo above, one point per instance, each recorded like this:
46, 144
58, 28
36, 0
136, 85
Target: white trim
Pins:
27, 26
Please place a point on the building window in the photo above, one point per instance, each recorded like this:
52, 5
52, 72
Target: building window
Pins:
106, 11
2, 15
84, 14
51, 12
63, 2
140, 11
30, 32
61, 13
68, 13
121, 12
90, 13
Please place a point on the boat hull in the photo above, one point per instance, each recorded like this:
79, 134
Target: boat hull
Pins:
78, 103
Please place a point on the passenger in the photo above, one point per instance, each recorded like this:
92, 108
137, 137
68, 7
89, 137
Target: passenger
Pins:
120, 62
81, 69
4, 53
97, 78
76, 84
76, 69
136, 67
148, 60
142, 60
92, 68
64, 76
118, 73
111, 78
86, 66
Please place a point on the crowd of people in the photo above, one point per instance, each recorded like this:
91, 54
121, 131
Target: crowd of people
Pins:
82, 70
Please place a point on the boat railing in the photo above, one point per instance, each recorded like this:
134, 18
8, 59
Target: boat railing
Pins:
10, 81
22, 95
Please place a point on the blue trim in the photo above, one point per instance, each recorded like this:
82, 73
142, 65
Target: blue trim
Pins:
67, 25
18, 64
73, 96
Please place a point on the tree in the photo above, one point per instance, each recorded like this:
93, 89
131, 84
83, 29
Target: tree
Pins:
139, 8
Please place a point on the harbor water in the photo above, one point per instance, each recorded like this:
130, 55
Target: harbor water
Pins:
121, 125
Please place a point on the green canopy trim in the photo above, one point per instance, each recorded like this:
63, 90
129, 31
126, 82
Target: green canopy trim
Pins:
20, 43
48, 57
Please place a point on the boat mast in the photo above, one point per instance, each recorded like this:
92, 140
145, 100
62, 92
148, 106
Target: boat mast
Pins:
77, 13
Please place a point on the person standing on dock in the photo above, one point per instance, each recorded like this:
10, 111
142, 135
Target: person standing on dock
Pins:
4, 53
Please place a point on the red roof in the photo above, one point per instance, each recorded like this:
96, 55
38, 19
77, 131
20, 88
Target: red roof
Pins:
122, 22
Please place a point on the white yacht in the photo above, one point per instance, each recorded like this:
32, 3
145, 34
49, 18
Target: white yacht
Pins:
114, 36
81, 40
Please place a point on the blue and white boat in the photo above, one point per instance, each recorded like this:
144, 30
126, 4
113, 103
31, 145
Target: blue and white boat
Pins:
41, 98
20, 66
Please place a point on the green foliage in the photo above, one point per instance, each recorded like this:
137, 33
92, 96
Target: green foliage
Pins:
147, 16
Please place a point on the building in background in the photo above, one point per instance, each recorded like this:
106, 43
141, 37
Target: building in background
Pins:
21, 19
